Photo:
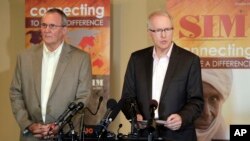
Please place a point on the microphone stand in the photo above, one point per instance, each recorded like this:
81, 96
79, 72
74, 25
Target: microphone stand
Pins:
103, 129
119, 135
151, 123
150, 129
67, 120
82, 128
60, 135
72, 131
133, 121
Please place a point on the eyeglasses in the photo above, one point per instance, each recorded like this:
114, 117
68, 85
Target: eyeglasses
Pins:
161, 30
51, 26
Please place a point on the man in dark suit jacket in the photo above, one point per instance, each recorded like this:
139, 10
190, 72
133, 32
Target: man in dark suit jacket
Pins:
171, 76
47, 79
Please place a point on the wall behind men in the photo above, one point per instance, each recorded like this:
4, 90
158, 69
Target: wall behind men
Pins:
11, 43
128, 33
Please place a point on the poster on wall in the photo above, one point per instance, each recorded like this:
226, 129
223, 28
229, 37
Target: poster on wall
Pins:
88, 29
218, 31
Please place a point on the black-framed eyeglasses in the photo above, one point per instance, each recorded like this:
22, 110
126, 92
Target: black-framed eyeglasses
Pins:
51, 26
161, 30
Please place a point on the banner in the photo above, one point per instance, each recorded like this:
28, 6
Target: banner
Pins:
217, 31
88, 29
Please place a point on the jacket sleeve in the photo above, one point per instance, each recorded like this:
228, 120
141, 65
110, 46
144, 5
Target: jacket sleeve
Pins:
16, 98
128, 91
195, 103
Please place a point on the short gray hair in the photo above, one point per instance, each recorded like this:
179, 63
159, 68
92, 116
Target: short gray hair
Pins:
61, 13
159, 13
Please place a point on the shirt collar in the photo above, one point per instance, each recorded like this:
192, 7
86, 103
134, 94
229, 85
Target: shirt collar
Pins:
55, 52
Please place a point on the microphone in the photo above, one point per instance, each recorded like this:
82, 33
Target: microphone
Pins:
111, 104
71, 106
133, 112
118, 130
108, 117
130, 108
153, 106
99, 104
116, 110
119, 135
151, 123
98, 107
71, 113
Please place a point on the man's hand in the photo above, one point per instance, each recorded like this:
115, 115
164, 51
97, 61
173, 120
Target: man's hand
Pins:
139, 117
43, 131
38, 130
173, 122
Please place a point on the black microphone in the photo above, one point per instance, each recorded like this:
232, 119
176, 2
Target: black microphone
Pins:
99, 104
98, 107
71, 106
133, 112
118, 130
111, 104
119, 135
116, 110
130, 105
151, 123
113, 115
103, 125
153, 106
71, 113
130, 108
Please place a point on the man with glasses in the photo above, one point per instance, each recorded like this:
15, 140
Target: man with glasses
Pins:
169, 75
47, 79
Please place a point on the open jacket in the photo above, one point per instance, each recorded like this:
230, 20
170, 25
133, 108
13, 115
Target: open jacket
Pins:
181, 93
72, 82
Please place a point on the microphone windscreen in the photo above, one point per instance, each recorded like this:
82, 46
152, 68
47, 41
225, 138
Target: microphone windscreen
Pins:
72, 105
100, 99
116, 110
80, 105
153, 104
120, 125
129, 107
111, 104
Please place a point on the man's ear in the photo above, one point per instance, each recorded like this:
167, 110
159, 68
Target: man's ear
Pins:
65, 29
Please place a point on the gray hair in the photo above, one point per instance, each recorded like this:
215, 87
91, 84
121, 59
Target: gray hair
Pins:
158, 13
61, 13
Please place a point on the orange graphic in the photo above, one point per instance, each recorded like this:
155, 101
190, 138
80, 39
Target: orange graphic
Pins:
212, 28
88, 25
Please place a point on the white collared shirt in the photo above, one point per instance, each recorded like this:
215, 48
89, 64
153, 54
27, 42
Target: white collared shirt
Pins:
49, 65
160, 67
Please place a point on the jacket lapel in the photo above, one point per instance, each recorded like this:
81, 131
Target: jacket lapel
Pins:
62, 63
171, 69
37, 69
149, 72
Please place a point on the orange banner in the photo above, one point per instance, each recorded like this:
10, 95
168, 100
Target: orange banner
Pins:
212, 28
89, 30
218, 31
